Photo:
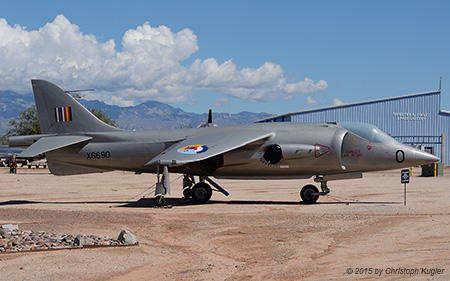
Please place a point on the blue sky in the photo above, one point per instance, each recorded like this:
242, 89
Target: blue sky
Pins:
260, 56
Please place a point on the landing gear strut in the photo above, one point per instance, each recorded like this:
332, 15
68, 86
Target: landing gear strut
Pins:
188, 181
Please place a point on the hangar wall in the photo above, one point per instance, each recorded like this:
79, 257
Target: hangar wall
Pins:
414, 119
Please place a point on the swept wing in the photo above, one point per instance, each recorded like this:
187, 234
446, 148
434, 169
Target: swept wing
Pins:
201, 147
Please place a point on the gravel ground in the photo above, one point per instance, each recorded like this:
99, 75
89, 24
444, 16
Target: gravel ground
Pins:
362, 230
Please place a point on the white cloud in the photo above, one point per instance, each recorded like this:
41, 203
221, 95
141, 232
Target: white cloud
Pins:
219, 102
148, 66
311, 102
337, 102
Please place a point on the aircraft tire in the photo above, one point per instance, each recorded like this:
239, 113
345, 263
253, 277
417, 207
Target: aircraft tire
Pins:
306, 194
201, 193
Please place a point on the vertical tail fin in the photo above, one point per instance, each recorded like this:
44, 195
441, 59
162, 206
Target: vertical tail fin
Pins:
60, 113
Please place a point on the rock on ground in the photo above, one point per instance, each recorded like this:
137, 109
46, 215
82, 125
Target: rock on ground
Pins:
127, 238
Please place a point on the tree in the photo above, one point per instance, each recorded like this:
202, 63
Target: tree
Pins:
184, 126
26, 124
4, 140
101, 114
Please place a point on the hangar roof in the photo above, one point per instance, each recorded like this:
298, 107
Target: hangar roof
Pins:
352, 104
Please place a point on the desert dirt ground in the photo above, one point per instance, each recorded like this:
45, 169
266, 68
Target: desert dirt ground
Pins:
259, 232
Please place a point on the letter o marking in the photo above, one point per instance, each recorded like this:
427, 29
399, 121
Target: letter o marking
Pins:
400, 156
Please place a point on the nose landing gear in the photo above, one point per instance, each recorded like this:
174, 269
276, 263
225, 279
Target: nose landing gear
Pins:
310, 194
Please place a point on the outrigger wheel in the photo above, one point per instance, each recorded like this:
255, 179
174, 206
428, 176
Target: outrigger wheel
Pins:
201, 193
309, 194
160, 201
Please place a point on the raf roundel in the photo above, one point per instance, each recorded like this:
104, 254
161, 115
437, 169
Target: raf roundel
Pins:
193, 149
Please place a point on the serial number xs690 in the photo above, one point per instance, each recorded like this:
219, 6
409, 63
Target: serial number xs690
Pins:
98, 155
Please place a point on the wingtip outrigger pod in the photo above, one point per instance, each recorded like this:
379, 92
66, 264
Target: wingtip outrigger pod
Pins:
162, 186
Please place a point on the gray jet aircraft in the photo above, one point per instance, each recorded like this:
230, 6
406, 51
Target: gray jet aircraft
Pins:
76, 142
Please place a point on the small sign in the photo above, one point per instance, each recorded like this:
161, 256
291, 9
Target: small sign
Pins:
405, 176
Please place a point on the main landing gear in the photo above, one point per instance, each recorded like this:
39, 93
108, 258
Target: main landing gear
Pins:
310, 194
199, 193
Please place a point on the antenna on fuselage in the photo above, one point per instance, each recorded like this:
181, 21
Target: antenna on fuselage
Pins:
209, 116
209, 122
75, 95
87, 90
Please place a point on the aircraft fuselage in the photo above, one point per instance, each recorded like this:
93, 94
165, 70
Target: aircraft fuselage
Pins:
305, 150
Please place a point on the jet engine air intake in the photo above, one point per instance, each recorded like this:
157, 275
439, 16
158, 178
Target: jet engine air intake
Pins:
273, 154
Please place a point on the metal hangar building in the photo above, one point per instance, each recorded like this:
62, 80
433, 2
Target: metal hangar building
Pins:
412, 119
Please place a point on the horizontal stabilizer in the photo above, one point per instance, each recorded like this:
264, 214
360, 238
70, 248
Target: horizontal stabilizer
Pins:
47, 144
201, 147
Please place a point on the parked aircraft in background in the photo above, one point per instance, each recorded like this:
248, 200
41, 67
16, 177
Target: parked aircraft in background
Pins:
8, 152
76, 142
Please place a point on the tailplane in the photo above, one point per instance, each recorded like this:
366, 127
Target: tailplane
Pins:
60, 113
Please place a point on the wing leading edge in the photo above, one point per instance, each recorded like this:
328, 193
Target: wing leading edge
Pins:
198, 148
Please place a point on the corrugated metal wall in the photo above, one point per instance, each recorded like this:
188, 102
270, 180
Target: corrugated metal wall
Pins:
407, 116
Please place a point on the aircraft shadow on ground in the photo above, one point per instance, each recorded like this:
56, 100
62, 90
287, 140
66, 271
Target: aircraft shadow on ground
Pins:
28, 202
178, 202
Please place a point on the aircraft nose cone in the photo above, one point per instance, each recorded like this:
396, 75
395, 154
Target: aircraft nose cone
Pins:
422, 157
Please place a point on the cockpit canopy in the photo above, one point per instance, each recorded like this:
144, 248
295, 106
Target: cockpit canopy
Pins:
367, 131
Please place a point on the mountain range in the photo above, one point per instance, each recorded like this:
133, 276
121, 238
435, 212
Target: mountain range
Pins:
151, 115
